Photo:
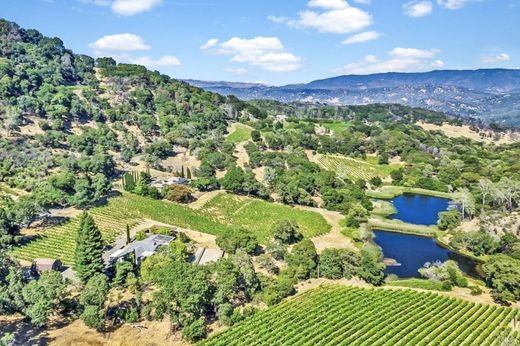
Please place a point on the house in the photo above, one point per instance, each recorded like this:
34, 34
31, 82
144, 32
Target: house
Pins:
204, 255
42, 265
140, 249
160, 184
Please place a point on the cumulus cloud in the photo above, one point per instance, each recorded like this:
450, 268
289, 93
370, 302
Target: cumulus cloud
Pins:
399, 60
165, 61
418, 9
121, 47
267, 53
126, 7
119, 43
330, 16
494, 58
362, 37
452, 4
209, 44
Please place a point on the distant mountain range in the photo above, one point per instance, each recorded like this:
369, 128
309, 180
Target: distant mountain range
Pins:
492, 95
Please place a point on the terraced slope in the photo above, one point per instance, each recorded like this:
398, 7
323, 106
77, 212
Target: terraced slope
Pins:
339, 315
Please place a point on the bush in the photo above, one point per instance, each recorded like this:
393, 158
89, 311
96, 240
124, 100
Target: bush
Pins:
475, 290
178, 193
93, 316
195, 330
449, 220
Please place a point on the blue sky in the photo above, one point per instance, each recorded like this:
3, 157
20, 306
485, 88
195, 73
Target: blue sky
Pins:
280, 42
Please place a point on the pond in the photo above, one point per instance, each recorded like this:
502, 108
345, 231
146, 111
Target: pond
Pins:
419, 209
411, 252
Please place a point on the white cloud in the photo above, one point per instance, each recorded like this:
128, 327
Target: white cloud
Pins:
165, 61
418, 9
267, 53
133, 7
496, 58
413, 53
330, 16
118, 43
400, 60
125, 7
362, 37
209, 44
120, 47
363, 2
452, 4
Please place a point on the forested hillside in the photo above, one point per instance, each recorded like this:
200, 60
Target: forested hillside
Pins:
89, 148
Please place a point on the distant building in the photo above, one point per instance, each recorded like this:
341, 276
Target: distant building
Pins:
140, 249
162, 183
204, 255
42, 265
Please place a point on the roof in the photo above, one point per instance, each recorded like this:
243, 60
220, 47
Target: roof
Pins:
46, 264
205, 255
145, 247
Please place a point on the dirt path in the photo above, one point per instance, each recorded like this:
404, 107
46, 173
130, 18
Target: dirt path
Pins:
204, 198
333, 239
241, 155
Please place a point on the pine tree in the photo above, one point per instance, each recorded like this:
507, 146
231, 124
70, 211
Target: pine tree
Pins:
89, 249
127, 234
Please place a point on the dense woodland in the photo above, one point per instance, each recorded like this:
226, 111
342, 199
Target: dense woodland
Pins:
71, 126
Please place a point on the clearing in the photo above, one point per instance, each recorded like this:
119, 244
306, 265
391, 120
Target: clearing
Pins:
488, 137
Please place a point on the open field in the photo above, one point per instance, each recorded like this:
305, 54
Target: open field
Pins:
465, 131
337, 315
347, 167
221, 213
239, 133
260, 216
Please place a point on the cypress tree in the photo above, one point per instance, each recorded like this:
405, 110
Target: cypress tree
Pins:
89, 249
188, 173
127, 234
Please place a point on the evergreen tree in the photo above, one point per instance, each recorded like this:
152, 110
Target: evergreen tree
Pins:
89, 249
128, 234
188, 173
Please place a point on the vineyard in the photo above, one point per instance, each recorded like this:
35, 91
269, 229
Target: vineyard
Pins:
339, 315
221, 213
346, 167
60, 241
260, 216
241, 134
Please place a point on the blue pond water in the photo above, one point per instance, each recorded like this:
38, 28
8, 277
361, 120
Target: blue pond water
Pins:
419, 209
412, 252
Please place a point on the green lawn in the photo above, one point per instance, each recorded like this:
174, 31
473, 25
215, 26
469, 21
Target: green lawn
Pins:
222, 213
391, 191
336, 126
424, 284
241, 134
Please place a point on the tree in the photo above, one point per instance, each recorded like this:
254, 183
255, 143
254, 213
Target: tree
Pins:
467, 202
376, 181
339, 263
503, 275
42, 297
195, 330
287, 232
303, 258
448, 220
485, 186
232, 240
178, 193
128, 239
89, 249
92, 299
371, 269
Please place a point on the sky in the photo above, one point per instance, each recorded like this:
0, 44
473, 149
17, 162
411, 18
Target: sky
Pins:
281, 42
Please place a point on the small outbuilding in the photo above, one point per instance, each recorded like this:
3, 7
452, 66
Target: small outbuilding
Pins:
42, 265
